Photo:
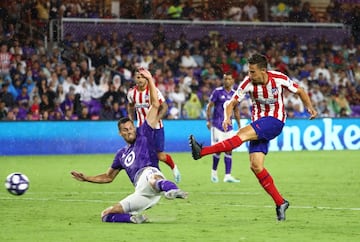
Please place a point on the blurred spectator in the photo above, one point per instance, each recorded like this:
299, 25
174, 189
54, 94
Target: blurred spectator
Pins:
46, 105
3, 110
178, 98
316, 95
187, 11
187, 60
35, 108
295, 14
334, 11
339, 103
306, 13
192, 107
6, 96
11, 116
322, 69
324, 110
161, 9
250, 11
43, 10
279, 11
23, 97
84, 113
234, 12
69, 115
175, 10
5, 61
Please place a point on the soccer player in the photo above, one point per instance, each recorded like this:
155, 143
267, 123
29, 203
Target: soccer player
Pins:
268, 118
139, 160
138, 100
215, 108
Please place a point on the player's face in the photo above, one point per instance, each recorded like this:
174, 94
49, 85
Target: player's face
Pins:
228, 81
256, 74
140, 80
128, 132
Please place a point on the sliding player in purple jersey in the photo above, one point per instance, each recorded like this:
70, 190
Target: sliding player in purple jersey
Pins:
215, 116
139, 160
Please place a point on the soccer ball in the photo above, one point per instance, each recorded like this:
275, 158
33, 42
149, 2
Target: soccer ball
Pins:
17, 183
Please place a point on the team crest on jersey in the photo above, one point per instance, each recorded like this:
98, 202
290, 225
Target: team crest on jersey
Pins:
274, 91
240, 92
129, 159
147, 97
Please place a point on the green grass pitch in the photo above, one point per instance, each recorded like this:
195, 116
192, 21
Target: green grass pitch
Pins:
323, 188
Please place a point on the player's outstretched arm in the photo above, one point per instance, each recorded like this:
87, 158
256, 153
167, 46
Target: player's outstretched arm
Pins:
229, 107
209, 108
107, 177
307, 102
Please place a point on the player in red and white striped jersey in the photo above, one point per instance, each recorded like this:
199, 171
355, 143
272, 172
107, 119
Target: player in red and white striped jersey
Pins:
268, 118
267, 100
139, 103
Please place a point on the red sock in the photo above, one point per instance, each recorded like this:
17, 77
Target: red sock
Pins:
223, 146
169, 161
267, 183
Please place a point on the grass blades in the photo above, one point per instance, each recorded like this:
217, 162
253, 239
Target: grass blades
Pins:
323, 188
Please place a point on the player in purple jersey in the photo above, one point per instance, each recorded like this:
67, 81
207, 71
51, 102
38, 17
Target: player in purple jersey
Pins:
139, 160
215, 116
138, 102
266, 88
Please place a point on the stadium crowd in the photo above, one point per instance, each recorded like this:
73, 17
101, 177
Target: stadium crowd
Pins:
88, 79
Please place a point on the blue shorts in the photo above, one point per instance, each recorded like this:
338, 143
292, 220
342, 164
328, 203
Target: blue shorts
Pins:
266, 128
159, 139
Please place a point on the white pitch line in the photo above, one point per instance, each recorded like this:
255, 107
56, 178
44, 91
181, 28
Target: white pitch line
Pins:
189, 204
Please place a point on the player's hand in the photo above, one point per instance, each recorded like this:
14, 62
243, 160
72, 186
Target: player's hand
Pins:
78, 176
208, 124
145, 73
226, 123
313, 113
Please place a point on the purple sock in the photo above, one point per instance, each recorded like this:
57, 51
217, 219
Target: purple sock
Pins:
228, 161
117, 218
216, 158
165, 185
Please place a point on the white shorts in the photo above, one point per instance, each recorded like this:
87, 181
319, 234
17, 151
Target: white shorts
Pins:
217, 135
145, 196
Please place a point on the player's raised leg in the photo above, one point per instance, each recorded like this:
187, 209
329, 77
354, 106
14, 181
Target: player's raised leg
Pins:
199, 151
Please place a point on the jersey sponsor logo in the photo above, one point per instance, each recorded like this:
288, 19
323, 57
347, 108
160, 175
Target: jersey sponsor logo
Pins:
130, 158
266, 100
142, 105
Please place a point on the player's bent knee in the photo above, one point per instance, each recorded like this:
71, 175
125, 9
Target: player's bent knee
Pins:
153, 178
117, 208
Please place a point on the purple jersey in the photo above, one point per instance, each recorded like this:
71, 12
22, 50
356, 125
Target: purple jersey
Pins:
133, 158
219, 96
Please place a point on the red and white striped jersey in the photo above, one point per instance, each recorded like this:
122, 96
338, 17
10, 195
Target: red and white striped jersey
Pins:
268, 99
141, 101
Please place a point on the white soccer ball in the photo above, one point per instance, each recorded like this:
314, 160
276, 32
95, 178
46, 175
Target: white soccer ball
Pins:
17, 183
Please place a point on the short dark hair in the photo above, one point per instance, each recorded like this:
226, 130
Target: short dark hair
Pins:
123, 120
228, 73
259, 60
